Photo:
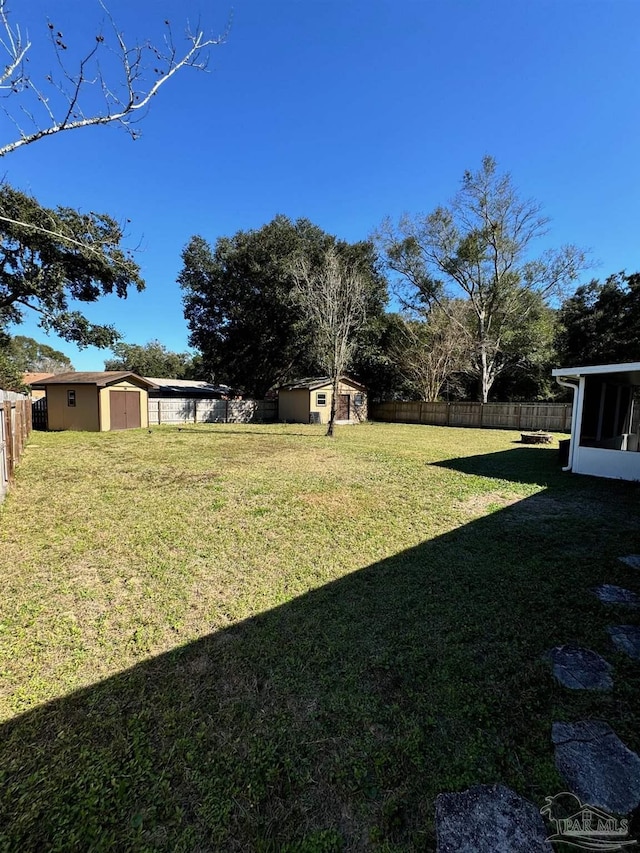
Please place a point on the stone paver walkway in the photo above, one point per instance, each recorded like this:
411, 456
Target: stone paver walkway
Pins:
489, 819
632, 560
626, 638
610, 594
597, 765
580, 669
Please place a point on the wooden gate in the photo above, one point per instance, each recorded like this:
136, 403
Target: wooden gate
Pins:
39, 413
125, 409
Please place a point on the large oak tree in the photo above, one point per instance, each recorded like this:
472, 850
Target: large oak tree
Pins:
242, 306
49, 257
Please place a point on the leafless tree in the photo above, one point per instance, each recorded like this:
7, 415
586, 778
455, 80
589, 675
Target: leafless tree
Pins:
432, 350
109, 82
478, 248
333, 295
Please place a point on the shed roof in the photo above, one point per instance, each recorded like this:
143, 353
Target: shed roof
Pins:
33, 378
186, 386
315, 382
101, 378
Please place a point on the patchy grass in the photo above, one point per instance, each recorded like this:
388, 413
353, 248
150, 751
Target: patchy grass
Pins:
257, 639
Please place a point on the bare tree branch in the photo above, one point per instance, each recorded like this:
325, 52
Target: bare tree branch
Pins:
432, 350
125, 91
13, 76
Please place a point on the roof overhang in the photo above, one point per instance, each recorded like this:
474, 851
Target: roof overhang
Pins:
320, 382
100, 380
599, 369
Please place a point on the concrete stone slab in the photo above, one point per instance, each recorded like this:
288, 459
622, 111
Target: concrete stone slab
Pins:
597, 766
631, 560
489, 819
580, 669
626, 638
610, 594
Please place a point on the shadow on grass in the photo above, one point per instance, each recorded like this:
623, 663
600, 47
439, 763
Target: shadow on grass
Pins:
520, 465
333, 721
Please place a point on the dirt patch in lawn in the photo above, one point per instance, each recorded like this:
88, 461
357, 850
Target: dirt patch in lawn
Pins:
481, 504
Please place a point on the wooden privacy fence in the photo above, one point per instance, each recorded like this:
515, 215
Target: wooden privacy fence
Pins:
178, 410
527, 416
15, 428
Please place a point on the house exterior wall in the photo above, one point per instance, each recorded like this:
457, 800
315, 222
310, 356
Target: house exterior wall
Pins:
105, 403
83, 416
298, 404
293, 406
618, 464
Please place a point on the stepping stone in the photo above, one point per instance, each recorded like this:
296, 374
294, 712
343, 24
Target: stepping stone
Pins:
610, 594
489, 819
580, 669
632, 560
597, 766
626, 638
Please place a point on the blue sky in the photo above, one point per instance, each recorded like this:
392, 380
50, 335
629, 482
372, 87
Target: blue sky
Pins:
346, 111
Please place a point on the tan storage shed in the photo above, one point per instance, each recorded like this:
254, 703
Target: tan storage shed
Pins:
98, 402
309, 401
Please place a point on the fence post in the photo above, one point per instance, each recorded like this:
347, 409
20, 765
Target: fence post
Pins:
448, 414
159, 412
567, 417
25, 422
8, 432
481, 418
19, 430
519, 424
226, 411
17, 433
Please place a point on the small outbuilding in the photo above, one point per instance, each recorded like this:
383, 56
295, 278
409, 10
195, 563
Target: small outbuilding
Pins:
606, 419
309, 401
99, 402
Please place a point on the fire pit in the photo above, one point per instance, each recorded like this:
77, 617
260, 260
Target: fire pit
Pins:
539, 437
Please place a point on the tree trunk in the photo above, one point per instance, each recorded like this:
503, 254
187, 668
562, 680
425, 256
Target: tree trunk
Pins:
334, 403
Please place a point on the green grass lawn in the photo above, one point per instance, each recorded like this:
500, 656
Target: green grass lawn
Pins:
254, 638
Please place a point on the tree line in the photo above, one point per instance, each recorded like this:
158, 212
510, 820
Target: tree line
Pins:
478, 315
